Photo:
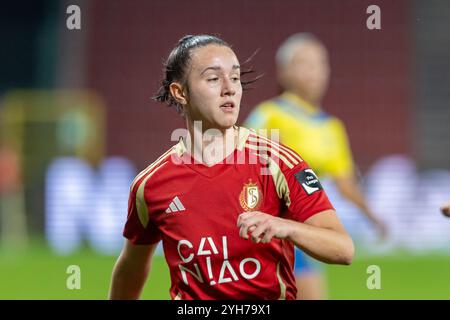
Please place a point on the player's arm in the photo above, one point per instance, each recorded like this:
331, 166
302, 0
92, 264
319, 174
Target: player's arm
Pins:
322, 235
341, 168
142, 237
310, 220
131, 271
349, 188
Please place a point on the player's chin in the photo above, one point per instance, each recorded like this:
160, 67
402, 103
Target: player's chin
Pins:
227, 121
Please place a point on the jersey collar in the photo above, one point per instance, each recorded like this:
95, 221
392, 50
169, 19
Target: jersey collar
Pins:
300, 102
216, 169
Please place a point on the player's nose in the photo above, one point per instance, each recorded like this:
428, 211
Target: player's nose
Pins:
228, 88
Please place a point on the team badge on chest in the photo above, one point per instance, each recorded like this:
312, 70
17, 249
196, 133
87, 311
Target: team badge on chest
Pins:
250, 197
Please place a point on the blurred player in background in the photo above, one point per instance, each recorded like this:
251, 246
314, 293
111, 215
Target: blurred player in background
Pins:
228, 227
303, 71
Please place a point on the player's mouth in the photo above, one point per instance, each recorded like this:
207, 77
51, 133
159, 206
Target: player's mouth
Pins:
227, 107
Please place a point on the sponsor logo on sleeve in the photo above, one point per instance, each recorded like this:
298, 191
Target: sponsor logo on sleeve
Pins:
309, 181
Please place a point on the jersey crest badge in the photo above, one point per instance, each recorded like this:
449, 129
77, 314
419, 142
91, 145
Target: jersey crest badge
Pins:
250, 197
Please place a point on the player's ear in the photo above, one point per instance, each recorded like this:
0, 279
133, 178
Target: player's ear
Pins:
176, 90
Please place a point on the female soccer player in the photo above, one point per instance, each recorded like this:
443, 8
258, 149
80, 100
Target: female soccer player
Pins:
228, 205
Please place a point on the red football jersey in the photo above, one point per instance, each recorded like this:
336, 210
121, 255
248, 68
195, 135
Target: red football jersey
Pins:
194, 209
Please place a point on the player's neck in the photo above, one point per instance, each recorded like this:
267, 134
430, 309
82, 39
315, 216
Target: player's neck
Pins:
313, 102
210, 147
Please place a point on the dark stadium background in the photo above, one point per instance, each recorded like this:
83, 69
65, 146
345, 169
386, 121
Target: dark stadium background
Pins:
390, 87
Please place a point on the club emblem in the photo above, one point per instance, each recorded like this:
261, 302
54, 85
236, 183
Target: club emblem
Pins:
250, 197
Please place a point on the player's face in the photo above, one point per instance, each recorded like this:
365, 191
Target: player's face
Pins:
215, 89
309, 71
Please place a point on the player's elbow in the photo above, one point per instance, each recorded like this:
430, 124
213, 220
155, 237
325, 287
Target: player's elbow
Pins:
347, 252
347, 259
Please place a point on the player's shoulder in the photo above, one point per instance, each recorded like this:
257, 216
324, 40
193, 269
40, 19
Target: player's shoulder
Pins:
263, 113
158, 166
267, 106
328, 119
265, 144
334, 121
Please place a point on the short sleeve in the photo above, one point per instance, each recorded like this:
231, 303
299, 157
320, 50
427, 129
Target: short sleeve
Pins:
139, 230
303, 194
340, 162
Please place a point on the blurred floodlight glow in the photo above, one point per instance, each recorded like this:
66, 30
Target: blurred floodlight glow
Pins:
69, 194
409, 200
110, 212
81, 203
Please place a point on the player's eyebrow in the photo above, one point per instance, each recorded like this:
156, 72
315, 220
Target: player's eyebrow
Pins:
235, 67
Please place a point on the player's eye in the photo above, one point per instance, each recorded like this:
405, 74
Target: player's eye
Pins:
213, 79
235, 79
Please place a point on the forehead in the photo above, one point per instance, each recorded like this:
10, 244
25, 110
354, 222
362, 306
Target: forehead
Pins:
309, 50
213, 55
